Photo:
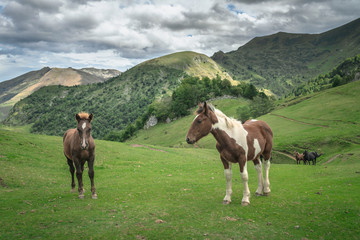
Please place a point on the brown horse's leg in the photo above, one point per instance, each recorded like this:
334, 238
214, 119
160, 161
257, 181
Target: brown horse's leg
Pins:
91, 176
72, 171
79, 178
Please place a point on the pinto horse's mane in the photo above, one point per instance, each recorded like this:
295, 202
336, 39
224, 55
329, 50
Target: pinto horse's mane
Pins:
230, 122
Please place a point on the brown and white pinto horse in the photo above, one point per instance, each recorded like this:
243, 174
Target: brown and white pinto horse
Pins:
236, 143
79, 147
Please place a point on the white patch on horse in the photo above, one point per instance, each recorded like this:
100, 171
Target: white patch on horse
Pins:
228, 175
253, 120
84, 125
257, 147
195, 117
84, 143
236, 131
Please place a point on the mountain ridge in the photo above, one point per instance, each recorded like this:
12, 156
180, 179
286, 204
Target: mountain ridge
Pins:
282, 61
13, 90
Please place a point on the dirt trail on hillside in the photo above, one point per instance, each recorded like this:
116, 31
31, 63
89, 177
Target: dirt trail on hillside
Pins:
286, 154
294, 120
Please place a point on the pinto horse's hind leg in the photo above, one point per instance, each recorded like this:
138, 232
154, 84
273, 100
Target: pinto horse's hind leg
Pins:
72, 171
91, 176
258, 167
267, 181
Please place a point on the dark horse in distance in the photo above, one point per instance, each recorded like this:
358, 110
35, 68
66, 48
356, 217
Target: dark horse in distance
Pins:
79, 147
310, 156
236, 143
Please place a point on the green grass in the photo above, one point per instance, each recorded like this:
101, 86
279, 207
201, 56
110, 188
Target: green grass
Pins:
138, 186
184, 187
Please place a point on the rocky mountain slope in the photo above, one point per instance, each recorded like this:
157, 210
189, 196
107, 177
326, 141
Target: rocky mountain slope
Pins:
14, 90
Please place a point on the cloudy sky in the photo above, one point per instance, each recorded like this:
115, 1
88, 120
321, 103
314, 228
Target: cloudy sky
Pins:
120, 34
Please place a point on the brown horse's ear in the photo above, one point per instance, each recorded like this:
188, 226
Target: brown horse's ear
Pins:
77, 117
206, 110
91, 116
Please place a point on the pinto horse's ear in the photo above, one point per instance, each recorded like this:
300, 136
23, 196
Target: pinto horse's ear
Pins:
206, 109
91, 116
77, 117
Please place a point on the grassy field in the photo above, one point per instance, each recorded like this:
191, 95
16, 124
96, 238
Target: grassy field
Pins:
168, 193
158, 187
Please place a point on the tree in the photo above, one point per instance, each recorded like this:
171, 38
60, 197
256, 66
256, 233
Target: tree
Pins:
261, 105
243, 113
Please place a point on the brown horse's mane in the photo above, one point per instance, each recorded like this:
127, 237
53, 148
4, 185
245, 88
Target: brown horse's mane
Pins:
83, 115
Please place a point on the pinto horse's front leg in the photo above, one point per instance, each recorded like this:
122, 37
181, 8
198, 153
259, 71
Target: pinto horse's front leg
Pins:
245, 177
228, 175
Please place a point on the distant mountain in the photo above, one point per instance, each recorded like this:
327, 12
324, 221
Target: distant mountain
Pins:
13, 90
282, 61
114, 103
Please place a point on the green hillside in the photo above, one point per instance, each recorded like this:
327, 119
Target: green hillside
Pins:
114, 103
194, 64
326, 122
13, 90
282, 61
347, 71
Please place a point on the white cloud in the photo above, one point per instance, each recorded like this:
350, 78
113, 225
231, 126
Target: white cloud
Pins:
120, 34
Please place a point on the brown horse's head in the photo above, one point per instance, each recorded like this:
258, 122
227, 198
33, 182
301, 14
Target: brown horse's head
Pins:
84, 128
202, 124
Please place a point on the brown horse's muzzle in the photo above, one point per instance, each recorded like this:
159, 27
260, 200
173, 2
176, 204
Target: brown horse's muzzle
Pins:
189, 141
84, 144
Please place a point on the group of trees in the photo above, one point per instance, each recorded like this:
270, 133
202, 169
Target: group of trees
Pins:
191, 91
342, 74
260, 105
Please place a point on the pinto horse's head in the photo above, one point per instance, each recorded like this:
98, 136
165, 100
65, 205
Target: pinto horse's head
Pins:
84, 128
202, 123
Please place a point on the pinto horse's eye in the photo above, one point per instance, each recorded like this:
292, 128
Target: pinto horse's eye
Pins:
199, 120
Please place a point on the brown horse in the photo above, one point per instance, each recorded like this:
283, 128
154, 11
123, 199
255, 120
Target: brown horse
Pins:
236, 143
79, 147
299, 157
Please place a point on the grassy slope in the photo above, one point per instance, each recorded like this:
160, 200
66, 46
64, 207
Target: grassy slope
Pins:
326, 122
182, 187
194, 64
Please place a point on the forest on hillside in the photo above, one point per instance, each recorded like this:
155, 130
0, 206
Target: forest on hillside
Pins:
347, 71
